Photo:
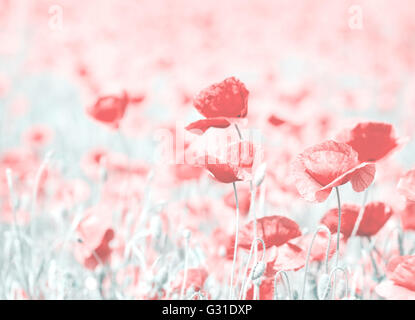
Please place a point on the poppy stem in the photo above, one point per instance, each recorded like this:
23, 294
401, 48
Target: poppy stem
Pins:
242, 294
338, 236
334, 272
239, 131
324, 228
360, 215
286, 282
235, 250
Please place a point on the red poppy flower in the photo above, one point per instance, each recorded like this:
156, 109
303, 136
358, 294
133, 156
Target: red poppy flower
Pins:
109, 109
401, 283
406, 185
287, 257
275, 121
96, 232
373, 141
375, 215
237, 163
349, 216
408, 216
219, 103
274, 230
327, 165
228, 98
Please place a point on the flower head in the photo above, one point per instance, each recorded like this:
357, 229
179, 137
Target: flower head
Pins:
372, 141
327, 165
109, 110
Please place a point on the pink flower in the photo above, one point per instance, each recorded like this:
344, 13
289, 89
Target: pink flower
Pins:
375, 215
372, 141
95, 232
401, 279
274, 230
330, 164
38, 136
109, 110
406, 185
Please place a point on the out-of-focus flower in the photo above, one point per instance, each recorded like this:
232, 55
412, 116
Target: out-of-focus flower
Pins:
244, 200
109, 110
374, 217
327, 165
408, 216
96, 232
38, 136
406, 185
373, 141
401, 279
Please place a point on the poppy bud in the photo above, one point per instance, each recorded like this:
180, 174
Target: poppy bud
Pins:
162, 277
258, 270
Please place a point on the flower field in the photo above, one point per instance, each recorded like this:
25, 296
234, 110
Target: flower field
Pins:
207, 150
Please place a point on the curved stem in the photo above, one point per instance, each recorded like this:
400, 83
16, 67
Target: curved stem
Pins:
333, 272
360, 215
239, 131
286, 281
324, 228
235, 250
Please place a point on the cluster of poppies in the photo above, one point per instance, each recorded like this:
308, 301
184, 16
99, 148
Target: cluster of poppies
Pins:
351, 156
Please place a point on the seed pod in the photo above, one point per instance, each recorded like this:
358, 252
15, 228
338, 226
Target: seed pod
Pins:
162, 277
324, 287
258, 270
